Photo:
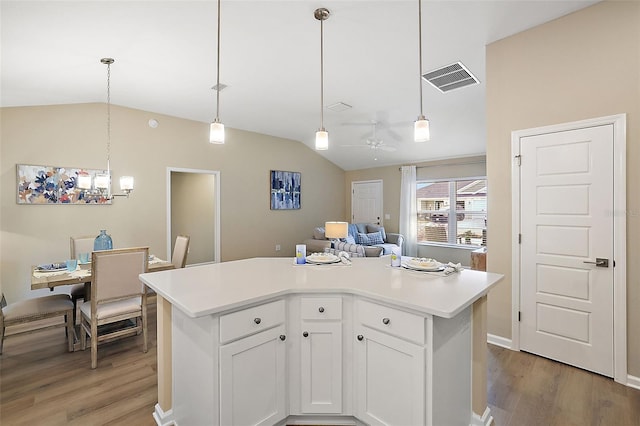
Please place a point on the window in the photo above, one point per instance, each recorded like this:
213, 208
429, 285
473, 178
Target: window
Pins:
466, 225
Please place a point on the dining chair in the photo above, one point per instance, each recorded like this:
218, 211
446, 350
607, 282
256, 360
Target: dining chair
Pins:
79, 245
180, 250
117, 296
35, 310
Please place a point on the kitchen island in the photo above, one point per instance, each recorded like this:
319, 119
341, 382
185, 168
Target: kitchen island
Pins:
265, 341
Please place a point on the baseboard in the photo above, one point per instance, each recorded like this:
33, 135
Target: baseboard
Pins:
485, 420
499, 341
328, 420
633, 381
163, 418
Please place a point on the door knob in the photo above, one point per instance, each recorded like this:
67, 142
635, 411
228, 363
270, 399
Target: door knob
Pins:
305, 334
360, 337
283, 337
600, 261
321, 309
386, 321
257, 320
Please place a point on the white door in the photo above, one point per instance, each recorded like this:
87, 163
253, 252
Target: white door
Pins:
366, 202
253, 370
566, 205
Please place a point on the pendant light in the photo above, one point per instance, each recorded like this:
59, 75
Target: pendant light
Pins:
421, 126
216, 129
102, 181
322, 136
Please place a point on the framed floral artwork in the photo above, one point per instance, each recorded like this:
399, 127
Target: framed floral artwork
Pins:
56, 185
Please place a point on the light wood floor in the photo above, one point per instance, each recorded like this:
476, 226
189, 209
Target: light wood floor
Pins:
42, 384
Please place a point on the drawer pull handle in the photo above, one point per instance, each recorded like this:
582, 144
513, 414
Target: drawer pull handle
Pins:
257, 320
360, 337
305, 334
321, 309
386, 321
283, 337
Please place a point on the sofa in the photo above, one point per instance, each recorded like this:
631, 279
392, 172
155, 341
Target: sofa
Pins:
363, 240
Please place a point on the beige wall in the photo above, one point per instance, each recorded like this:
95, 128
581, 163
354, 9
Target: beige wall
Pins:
75, 136
581, 66
193, 213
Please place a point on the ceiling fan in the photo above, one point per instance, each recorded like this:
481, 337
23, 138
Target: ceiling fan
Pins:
373, 142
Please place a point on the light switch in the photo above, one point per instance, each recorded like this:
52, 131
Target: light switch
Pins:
387, 216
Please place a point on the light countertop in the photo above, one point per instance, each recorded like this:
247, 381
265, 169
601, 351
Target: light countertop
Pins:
214, 288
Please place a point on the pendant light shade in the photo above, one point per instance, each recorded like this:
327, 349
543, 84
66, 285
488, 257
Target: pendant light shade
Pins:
421, 131
216, 133
322, 140
216, 129
322, 136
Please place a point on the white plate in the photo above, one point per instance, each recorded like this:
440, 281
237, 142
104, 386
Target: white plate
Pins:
423, 269
322, 258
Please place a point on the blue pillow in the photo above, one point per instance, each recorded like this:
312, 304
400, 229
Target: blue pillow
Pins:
375, 238
362, 239
350, 239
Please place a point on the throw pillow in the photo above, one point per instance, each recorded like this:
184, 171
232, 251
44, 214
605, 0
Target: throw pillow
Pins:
377, 228
375, 238
318, 233
350, 239
362, 239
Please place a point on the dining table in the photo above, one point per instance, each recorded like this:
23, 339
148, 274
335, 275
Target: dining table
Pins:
82, 275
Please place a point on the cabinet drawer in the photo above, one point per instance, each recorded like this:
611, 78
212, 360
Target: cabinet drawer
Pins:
251, 320
392, 321
321, 308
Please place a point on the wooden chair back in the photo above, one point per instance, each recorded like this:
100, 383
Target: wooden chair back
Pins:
114, 273
79, 245
180, 250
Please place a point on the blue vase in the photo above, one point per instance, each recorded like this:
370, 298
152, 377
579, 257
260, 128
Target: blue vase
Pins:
103, 241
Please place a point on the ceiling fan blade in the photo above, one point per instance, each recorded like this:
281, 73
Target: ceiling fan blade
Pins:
386, 148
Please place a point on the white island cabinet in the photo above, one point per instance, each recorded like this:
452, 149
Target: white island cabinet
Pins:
264, 342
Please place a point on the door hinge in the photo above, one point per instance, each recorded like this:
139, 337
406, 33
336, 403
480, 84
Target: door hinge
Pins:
518, 160
519, 316
519, 238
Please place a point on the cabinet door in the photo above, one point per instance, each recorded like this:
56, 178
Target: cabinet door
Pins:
390, 379
253, 379
321, 367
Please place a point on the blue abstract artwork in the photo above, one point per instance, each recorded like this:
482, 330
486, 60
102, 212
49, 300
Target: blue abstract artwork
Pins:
285, 190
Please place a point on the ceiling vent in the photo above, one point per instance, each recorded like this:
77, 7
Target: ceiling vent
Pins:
450, 77
339, 107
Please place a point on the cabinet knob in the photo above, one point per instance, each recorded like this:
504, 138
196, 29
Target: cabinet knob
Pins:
257, 320
321, 309
360, 337
386, 321
305, 334
283, 337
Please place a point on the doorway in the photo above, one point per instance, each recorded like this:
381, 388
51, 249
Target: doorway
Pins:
193, 208
568, 195
366, 202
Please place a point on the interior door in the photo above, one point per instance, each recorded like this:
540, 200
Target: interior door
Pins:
366, 202
567, 246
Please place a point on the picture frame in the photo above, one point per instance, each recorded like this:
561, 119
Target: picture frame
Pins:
285, 190
38, 185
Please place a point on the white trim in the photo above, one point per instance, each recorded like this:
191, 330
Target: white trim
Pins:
485, 420
503, 342
216, 224
163, 418
633, 381
619, 230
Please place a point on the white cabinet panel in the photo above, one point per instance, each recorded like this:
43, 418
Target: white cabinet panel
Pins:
253, 379
321, 367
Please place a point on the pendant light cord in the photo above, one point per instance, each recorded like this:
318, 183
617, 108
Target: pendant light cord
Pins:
420, 52
109, 118
321, 75
218, 71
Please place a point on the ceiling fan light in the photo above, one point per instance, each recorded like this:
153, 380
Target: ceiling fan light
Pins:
421, 131
322, 140
216, 133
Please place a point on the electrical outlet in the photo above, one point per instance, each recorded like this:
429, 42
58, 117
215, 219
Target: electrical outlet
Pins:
277, 247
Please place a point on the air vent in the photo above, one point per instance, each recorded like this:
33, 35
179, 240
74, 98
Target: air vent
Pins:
450, 77
339, 106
